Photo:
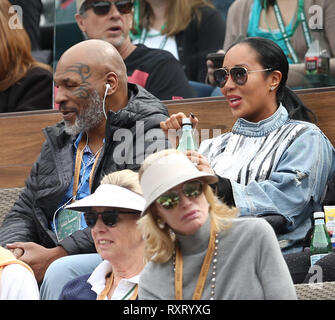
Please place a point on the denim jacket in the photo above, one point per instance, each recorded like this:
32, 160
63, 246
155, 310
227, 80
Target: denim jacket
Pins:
276, 166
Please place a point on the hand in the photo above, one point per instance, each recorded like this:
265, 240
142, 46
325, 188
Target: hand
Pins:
211, 69
173, 124
17, 252
36, 256
201, 161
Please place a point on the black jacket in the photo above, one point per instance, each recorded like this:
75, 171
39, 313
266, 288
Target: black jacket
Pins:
51, 175
197, 40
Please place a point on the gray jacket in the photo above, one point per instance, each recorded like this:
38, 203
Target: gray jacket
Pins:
50, 176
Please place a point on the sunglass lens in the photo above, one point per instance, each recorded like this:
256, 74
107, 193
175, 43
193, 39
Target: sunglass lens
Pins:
90, 218
220, 77
168, 200
101, 7
109, 218
124, 7
192, 189
239, 75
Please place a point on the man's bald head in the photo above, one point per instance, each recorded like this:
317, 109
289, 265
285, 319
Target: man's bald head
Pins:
98, 54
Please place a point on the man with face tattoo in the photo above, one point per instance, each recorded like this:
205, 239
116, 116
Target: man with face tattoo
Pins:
109, 125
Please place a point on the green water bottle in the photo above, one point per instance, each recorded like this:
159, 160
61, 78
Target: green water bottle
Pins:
187, 141
320, 244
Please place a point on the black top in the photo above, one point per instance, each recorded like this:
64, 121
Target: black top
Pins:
33, 92
159, 73
197, 40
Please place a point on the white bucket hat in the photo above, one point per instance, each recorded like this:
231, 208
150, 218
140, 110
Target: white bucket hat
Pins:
167, 172
108, 195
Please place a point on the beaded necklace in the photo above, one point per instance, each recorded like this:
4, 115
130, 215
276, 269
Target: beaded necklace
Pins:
210, 259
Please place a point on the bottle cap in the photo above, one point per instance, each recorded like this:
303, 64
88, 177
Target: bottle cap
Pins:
186, 121
318, 215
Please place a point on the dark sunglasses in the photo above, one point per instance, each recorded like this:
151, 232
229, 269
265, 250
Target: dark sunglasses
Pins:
170, 199
238, 74
109, 217
101, 8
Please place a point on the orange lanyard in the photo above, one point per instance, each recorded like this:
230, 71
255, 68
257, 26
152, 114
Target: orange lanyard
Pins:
108, 286
203, 272
79, 157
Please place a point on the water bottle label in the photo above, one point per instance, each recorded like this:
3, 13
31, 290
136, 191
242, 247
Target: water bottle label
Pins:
316, 257
311, 65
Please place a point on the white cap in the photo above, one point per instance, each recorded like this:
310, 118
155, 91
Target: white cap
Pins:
109, 195
318, 215
166, 173
186, 121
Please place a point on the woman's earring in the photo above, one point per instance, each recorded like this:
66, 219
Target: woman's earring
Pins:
160, 223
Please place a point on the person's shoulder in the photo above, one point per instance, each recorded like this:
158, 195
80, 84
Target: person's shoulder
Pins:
239, 5
305, 128
144, 105
38, 72
252, 226
155, 54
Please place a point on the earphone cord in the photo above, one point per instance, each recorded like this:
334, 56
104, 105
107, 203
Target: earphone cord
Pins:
79, 187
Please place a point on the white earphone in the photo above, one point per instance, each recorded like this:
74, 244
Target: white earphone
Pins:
103, 102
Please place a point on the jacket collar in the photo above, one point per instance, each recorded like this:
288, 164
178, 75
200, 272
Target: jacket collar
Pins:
263, 127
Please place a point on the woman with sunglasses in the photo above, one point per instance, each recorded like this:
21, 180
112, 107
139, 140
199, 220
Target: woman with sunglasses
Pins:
196, 247
269, 165
112, 212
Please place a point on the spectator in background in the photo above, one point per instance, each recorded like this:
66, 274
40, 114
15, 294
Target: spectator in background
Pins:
17, 281
249, 18
155, 70
190, 29
112, 213
25, 84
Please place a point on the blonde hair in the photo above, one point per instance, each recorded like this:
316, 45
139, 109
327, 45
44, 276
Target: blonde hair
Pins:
179, 14
160, 242
124, 178
15, 51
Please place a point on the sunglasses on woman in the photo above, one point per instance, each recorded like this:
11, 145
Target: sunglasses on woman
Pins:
238, 74
101, 8
171, 199
109, 217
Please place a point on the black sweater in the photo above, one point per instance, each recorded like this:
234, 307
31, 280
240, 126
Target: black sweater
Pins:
197, 40
32, 92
